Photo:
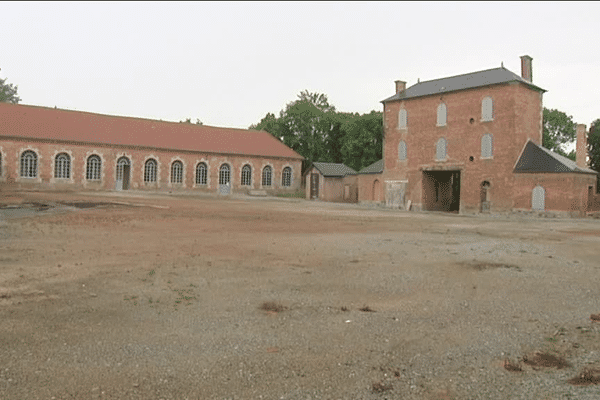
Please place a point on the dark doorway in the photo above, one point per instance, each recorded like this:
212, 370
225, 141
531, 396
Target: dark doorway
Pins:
485, 197
441, 191
123, 168
314, 186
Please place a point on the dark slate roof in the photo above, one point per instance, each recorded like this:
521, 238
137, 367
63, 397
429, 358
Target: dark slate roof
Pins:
333, 170
536, 158
375, 168
460, 82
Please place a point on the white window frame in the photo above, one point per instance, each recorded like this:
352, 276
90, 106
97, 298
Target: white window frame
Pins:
441, 146
92, 170
201, 180
29, 164
177, 172
442, 114
487, 109
402, 118
286, 176
485, 139
62, 166
268, 178
151, 171
246, 175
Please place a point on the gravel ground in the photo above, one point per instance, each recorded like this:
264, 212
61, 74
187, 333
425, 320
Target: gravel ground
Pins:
174, 297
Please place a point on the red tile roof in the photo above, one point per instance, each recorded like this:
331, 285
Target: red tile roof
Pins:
42, 123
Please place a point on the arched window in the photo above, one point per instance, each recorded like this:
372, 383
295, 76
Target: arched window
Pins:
29, 164
121, 164
538, 198
402, 119
246, 175
441, 115
402, 150
224, 174
440, 150
266, 176
201, 173
92, 171
487, 109
286, 177
62, 166
177, 172
150, 170
487, 150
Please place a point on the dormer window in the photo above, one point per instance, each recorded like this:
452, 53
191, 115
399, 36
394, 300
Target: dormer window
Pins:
402, 119
487, 109
441, 115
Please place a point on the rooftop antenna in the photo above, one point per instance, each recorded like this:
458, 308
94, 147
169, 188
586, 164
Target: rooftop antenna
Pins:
502, 64
418, 80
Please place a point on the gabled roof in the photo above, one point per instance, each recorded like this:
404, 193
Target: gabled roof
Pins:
50, 124
375, 168
460, 82
536, 158
332, 170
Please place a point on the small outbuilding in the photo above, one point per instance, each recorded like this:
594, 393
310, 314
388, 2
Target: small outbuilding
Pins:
331, 182
370, 186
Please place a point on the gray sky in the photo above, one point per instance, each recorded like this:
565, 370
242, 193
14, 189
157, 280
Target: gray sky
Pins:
228, 64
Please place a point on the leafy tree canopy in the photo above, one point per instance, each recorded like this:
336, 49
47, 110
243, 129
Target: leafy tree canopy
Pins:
559, 131
593, 145
8, 92
312, 127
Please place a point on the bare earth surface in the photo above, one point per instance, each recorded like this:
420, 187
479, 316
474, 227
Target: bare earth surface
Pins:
137, 296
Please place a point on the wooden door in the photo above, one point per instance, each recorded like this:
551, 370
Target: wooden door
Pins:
314, 186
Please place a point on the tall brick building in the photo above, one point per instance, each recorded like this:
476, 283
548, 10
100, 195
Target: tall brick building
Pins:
472, 143
58, 149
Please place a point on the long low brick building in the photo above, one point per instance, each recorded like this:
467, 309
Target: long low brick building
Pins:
50, 148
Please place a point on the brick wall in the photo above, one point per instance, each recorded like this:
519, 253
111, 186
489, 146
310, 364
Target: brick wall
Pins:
368, 189
517, 113
46, 152
567, 192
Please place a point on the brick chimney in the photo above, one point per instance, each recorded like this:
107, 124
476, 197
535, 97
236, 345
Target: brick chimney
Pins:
400, 86
526, 68
581, 147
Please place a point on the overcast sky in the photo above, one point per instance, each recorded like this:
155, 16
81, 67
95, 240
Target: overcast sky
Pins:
228, 64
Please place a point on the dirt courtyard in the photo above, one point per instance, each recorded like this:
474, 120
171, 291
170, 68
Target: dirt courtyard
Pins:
132, 296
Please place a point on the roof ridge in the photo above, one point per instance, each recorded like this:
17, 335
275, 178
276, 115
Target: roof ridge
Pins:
465, 74
130, 117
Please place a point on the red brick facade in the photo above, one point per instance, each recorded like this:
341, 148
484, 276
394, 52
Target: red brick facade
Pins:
414, 173
44, 172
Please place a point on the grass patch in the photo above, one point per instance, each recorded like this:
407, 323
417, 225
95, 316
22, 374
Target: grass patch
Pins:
366, 309
272, 306
380, 387
295, 195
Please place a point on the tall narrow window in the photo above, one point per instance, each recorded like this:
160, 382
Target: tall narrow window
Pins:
246, 175
29, 167
266, 176
176, 172
487, 150
538, 198
92, 172
402, 150
62, 166
402, 119
150, 170
286, 177
201, 173
440, 150
224, 174
487, 109
441, 115
0, 163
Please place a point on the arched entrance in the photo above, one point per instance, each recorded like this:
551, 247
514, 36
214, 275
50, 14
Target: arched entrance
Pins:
123, 172
376, 190
485, 196
224, 179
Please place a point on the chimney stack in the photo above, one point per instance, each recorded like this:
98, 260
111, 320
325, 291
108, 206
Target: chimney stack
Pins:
400, 86
581, 147
526, 68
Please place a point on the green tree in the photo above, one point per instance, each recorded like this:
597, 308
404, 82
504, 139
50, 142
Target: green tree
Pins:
363, 140
8, 92
312, 127
593, 145
559, 131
